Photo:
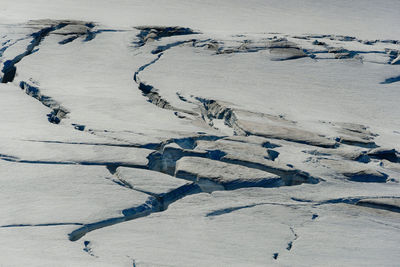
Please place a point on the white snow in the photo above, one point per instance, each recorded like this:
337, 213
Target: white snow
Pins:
201, 133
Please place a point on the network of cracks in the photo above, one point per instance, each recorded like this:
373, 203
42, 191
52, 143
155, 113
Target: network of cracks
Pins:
250, 156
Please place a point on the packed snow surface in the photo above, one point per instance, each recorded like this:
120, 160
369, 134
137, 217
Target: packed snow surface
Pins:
201, 133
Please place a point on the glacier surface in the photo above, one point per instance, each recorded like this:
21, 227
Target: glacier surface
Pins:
201, 133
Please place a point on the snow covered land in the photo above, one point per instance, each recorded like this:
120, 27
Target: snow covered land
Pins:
199, 133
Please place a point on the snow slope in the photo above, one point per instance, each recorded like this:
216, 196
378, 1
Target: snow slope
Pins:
211, 133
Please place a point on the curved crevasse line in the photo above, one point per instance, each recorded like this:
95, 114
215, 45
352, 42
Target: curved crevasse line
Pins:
142, 68
153, 33
9, 68
151, 146
391, 80
356, 200
108, 164
153, 204
58, 111
7, 44
295, 237
38, 225
233, 209
152, 94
